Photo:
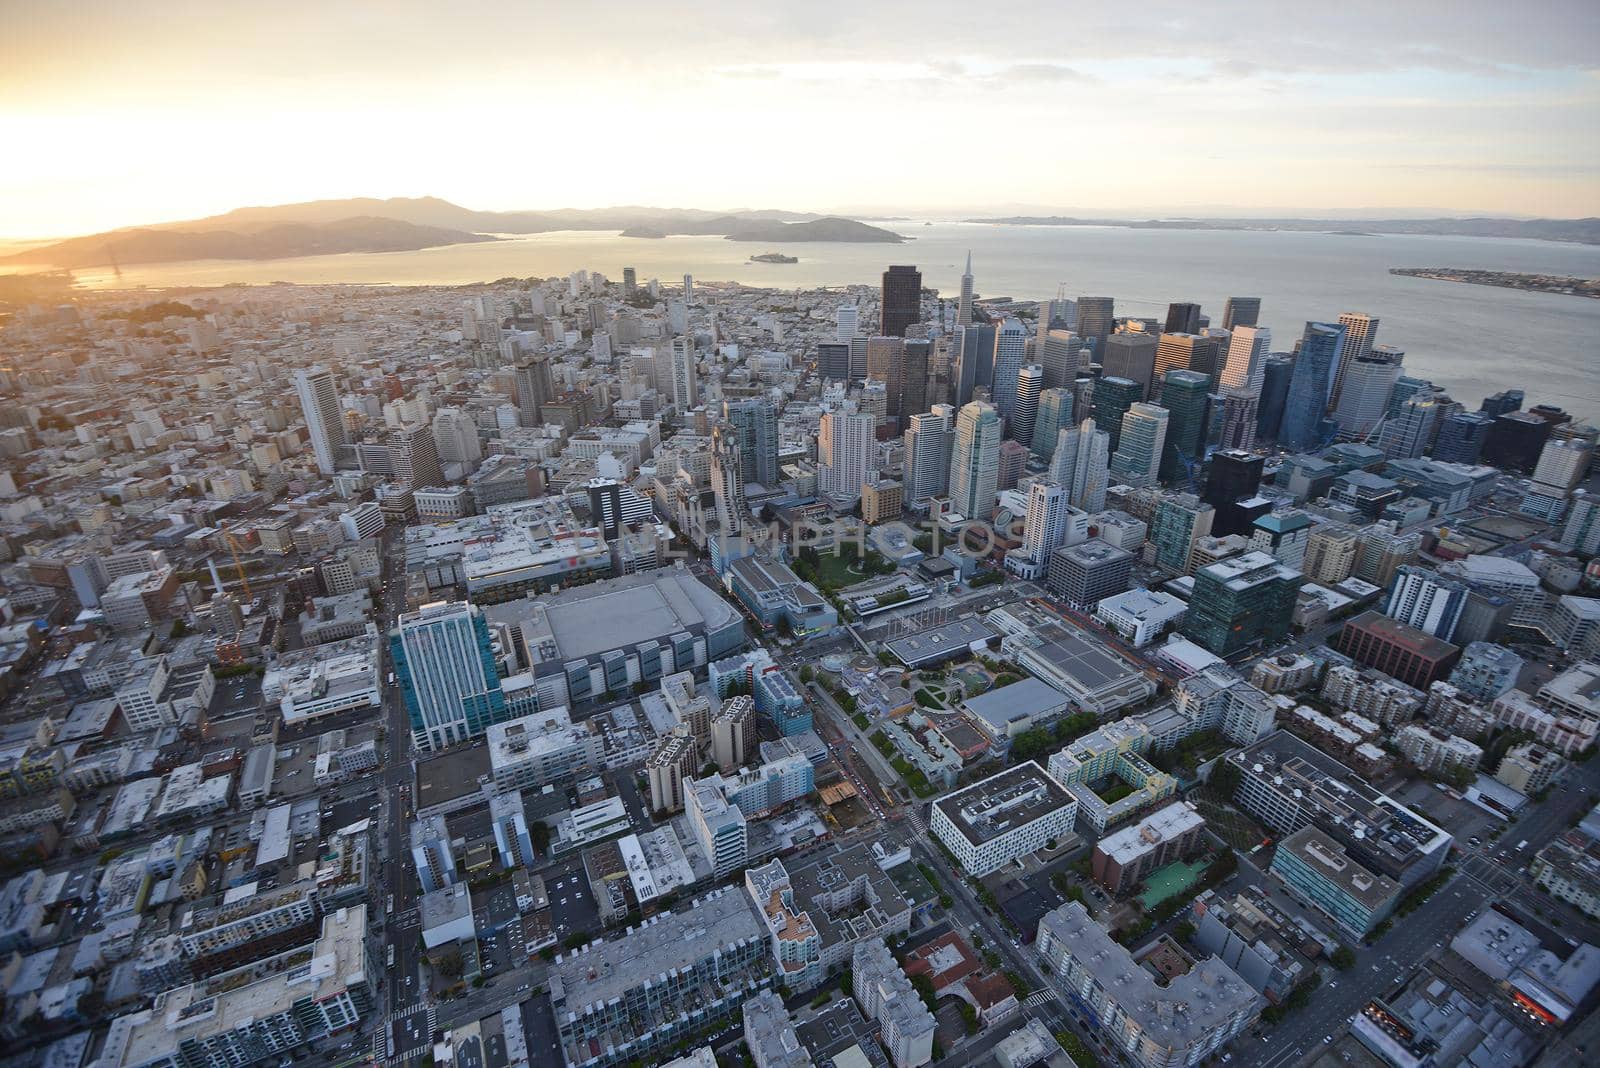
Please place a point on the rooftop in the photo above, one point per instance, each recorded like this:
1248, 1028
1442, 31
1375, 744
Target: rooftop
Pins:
1164, 825
1004, 802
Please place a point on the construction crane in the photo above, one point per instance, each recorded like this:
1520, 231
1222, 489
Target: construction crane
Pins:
238, 565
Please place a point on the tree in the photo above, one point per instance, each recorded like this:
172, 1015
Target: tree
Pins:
1184, 931
969, 1018
451, 965
540, 833
1343, 958
1224, 777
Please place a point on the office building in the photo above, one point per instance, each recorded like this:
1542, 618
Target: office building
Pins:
901, 301
1140, 445
727, 482
1400, 651
534, 388
1010, 354
685, 375
887, 997
881, 501
1277, 374
1563, 464
444, 663
1245, 363
1282, 536
1515, 441
1367, 382
1183, 318
1124, 1003
1242, 601
972, 360
1186, 397
1409, 432
324, 416
847, 323
845, 448
1240, 311
1305, 420
1054, 416
1181, 520
1381, 549
1112, 398
1461, 437
1324, 874
1025, 410
1013, 461
975, 461
1096, 319
1233, 478
1008, 815
928, 444
1239, 418
1184, 352
1509, 578
1140, 616
1087, 573
1061, 356
1360, 331
1080, 462
833, 361
1130, 355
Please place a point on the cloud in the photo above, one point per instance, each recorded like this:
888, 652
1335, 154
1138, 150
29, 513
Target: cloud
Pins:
1044, 72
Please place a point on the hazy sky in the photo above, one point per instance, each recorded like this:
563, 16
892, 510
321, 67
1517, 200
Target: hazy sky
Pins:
129, 112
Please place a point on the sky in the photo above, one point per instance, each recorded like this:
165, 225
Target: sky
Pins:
142, 111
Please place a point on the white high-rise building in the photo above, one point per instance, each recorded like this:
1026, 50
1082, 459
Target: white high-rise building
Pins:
1562, 466
727, 481
688, 289
964, 304
1010, 353
685, 385
1045, 527
1360, 332
455, 435
1137, 460
845, 446
926, 467
848, 318
975, 460
1081, 463
319, 402
1245, 363
1026, 412
1364, 396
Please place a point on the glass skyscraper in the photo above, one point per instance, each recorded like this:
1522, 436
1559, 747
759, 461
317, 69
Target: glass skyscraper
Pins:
445, 665
1305, 412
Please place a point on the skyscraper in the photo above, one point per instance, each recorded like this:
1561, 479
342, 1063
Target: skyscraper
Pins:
1055, 414
1240, 417
1010, 351
1181, 520
1305, 422
1184, 352
1112, 398
1242, 601
1060, 357
1422, 598
1096, 319
927, 453
1132, 355
444, 664
685, 379
964, 304
1461, 437
1562, 465
1369, 380
1045, 527
324, 416
1360, 331
1241, 311
975, 460
688, 290
886, 364
534, 389
833, 361
913, 376
1013, 459
1507, 400
455, 438
1183, 319
755, 422
1137, 459
1025, 413
1081, 464
844, 451
727, 481
414, 456
974, 361
630, 282
1276, 374
1233, 476
1410, 433
1184, 396
901, 301
1247, 355
848, 323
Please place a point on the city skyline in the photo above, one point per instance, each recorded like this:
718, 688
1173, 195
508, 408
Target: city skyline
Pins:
132, 119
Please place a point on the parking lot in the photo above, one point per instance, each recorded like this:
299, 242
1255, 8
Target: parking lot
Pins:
572, 906
238, 695
1461, 818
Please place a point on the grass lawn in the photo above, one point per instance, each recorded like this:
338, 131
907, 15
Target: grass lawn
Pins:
1168, 882
1114, 791
835, 572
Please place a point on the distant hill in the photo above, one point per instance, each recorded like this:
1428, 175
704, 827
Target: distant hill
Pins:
1581, 231
252, 241
829, 229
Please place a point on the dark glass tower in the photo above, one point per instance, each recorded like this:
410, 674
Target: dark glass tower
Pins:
1185, 396
902, 300
1112, 398
1241, 311
1305, 410
1183, 319
1275, 376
